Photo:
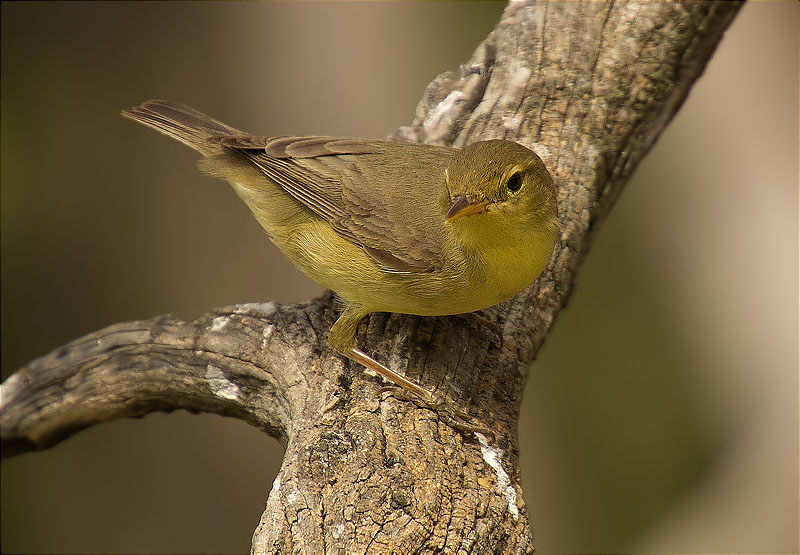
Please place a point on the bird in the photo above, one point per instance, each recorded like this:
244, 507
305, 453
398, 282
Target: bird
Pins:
388, 226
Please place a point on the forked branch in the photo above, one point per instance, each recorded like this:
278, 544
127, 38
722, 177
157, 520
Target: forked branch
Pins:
588, 86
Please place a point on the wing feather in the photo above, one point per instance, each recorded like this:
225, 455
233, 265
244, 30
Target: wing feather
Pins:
356, 186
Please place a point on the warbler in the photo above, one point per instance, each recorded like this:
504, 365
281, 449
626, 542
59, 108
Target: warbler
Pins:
388, 226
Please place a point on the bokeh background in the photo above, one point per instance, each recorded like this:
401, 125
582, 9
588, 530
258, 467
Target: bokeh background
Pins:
662, 413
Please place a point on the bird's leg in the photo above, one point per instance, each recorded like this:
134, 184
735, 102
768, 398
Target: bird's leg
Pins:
342, 338
398, 379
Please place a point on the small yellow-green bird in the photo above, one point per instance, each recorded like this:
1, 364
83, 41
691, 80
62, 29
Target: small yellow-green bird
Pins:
388, 226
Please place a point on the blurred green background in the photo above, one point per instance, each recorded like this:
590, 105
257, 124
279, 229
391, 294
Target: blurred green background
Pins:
661, 414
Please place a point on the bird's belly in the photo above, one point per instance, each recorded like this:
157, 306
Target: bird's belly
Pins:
447, 292
442, 294
346, 269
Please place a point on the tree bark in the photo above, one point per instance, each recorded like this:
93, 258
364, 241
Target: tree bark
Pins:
589, 87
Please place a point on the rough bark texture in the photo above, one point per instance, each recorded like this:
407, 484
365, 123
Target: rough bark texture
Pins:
589, 87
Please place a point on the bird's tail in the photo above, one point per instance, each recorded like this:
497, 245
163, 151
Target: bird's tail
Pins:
192, 128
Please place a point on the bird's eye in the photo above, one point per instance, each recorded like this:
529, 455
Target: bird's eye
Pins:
514, 183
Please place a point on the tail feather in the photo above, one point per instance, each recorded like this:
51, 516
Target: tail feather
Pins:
192, 128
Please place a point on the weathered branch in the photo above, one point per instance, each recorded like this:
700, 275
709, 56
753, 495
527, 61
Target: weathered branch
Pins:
227, 362
589, 87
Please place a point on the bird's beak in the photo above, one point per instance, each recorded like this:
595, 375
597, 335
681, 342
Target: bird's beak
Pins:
464, 205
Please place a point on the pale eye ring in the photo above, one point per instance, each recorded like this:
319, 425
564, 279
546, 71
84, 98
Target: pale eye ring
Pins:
514, 182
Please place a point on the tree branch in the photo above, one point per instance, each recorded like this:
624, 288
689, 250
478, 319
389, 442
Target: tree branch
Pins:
589, 87
230, 362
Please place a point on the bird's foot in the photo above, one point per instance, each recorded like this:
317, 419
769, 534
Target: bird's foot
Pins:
484, 322
447, 413
409, 390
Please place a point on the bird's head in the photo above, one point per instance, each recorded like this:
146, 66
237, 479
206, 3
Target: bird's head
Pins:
499, 190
